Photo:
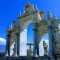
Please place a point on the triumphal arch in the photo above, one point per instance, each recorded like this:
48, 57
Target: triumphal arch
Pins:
41, 26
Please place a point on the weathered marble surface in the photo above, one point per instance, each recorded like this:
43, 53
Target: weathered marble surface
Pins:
43, 26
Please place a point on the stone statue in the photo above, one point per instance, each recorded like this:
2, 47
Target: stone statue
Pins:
14, 22
28, 7
8, 27
45, 48
49, 15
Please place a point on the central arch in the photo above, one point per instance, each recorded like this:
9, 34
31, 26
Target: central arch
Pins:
23, 38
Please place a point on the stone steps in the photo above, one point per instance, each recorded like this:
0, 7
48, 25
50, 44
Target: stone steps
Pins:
24, 58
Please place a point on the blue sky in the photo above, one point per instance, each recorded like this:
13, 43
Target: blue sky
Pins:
10, 9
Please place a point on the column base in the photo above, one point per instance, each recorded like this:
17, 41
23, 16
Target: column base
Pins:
35, 55
52, 57
15, 55
6, 55
19, 55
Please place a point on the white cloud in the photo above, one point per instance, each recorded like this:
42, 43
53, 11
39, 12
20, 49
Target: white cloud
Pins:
2, 41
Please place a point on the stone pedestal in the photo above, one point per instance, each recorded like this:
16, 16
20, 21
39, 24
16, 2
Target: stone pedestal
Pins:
29, 52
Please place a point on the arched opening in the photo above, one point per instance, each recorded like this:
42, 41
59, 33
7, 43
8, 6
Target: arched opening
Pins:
46, 39
43, 51
29, 39
23, 37
30, 33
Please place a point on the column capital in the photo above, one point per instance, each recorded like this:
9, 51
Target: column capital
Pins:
34, 29
50, 24
35, 24
16, 33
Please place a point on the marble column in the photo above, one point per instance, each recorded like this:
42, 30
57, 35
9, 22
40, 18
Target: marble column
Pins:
35, 41
8, 44
51, 42
16, 44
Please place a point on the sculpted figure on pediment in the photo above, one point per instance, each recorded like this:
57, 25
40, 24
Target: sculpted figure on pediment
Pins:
15, 24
